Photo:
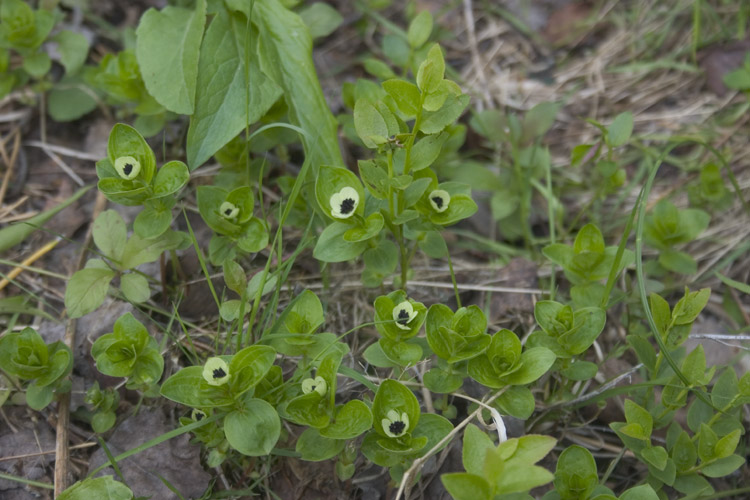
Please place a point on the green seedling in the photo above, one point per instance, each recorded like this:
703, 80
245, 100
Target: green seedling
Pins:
399, 319
225, 384
25, 356
576, 479
130, 352
586, 264
454, 338
667, 227
565, 331
230, 215
129, 176
505, 469
400, 432
710, 193
88, 287
104, 403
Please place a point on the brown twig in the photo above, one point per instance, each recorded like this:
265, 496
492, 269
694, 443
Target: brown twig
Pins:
62, 451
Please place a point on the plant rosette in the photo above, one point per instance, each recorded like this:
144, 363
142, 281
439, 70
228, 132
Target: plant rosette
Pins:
341, 197
397, 317
504, 363
446, 203
129, 351
129, 176
396, 413
564, 331
230, 214
25, 355
225, 383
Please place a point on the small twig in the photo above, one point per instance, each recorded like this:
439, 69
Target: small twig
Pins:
62, 451
48, 452
72, 153
28, 261
64, 167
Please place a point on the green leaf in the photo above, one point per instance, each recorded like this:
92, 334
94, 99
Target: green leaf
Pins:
644, 492
185, 387
465, 486
538, 120
38, 397
167, 48
254, 429
321, 19
575, 475
37, 65
737, 285
405, 94
285, 54
124, 140
636, 414
516, 401
110, 234
101, 488
349, 421
618, 132
170, 178
222, 88
141, 250
332, 247
73, 48
315, 448
684, 453
535, 362
234, 276
580, 370
135, 288
723, 466
434, 122
426, 151
678, 262
690, 306
589, 239
431, 71
728, 444
69, 100
475, 447
394, 396
383, 258
707, 443
86, 290
249, 366
656, 456
370, 123
419, 29
153, 220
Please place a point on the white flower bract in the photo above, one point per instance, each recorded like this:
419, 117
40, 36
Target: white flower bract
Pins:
395, 425
344, 203
403, 314
229, 210
216, 371
127, 167
440, 199
317, 384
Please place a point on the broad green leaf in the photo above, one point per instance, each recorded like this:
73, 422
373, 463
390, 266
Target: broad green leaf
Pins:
254, 429
73, 48
135, 287
644, 492
589, 239
101, 488
315, 448
69, 100
465, 486
620, 129
170, 178
394, 396
636, 414
321, 19
370, 124
538, 120
86, 290
110, 234
349, 421
475, 447
332, 247
38, 397
656, 456
405, 94
723, 466
419, 29
140, 250
575, 475
285, 53
517, 401
431, 71
222, 88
